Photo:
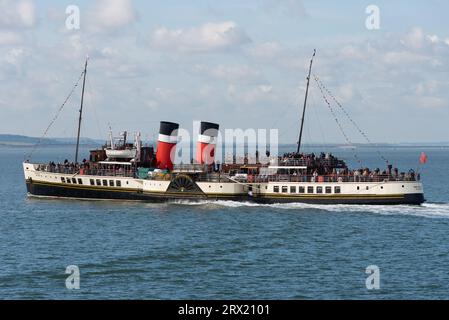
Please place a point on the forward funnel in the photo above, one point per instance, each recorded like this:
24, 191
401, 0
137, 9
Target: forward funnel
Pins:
166, 145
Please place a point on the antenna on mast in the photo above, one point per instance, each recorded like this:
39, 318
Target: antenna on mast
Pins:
305, 102
81, 112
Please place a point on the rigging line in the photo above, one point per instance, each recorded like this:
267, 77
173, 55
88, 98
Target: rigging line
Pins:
320, 126
55, 117
350, 118
338, 122
285, 130
279, 112
90, 100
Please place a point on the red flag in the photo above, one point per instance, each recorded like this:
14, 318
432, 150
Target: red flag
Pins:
423, 158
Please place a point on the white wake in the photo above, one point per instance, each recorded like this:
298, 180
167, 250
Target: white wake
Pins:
425, 210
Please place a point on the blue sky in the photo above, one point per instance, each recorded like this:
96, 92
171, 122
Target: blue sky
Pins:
239, 63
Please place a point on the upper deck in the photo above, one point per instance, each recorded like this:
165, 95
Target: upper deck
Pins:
261, 174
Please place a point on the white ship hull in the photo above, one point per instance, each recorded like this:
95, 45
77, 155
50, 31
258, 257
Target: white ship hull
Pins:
41, 183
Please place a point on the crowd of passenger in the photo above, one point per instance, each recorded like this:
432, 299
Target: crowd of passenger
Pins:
66, 167
342, 176
88, 168
311, 160
322, 168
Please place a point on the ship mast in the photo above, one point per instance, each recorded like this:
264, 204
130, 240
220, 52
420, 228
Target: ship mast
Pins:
81, 112
305, 103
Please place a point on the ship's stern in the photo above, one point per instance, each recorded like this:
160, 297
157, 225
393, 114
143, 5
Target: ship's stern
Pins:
415, 194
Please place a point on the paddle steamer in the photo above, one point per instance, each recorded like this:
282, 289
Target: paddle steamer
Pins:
130, 171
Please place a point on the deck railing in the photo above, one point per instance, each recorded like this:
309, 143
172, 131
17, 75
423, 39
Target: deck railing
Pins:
332, 178
221, 177
61, 169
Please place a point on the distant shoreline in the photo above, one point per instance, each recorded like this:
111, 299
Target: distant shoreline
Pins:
19, 141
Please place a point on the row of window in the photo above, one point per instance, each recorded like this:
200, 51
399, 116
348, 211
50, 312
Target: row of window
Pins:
294, 189
93, 182
71, 181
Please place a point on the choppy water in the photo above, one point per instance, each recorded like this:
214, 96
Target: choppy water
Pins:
224, 250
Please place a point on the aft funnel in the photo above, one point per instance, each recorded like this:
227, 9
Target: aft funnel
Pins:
207, 140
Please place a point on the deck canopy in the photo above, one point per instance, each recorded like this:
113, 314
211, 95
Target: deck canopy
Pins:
116, 163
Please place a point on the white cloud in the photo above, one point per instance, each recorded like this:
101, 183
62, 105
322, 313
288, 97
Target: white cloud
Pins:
17, 13
265, 88
430, 94
414, 39
293, 8
370, 76
346, 92
402, 57
208, 37
109, 52
430, 102
14, 56
111, 15
12, 63
266, 50
352, 52
9, 38
252, 96
240, 73
433, 38
430, 87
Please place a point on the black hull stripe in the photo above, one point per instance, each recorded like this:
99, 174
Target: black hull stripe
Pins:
75, 192
268, 196
119, 189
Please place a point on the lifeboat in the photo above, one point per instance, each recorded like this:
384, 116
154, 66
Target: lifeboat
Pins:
121, 154
119, 149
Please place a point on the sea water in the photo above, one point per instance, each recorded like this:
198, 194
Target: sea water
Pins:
225, 250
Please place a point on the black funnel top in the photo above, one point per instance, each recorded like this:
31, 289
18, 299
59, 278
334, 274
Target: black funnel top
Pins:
209, 126
168, 127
